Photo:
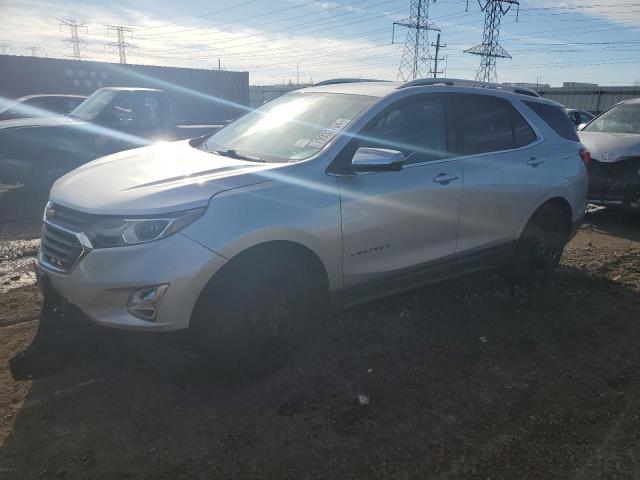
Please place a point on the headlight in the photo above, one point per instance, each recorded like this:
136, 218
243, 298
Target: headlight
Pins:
121, 231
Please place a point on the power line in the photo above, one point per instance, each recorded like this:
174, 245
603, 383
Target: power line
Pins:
74, 38
120, 44
416, 58
489, 50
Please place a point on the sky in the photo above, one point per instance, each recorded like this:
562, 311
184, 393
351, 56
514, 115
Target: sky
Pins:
276, 41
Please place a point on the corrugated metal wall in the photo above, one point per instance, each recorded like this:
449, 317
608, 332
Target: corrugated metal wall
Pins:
197, 95
592, 99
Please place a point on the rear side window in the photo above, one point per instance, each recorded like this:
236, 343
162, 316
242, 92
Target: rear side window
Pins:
489, 124
556, 118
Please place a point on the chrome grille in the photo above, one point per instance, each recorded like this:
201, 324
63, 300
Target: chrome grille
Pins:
60, 246
59, 249
70, 219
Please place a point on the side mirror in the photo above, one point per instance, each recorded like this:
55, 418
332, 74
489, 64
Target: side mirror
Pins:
581, 126
377, 160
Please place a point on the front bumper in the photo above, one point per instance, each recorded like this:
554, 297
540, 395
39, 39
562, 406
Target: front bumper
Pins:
615, 183
102, 281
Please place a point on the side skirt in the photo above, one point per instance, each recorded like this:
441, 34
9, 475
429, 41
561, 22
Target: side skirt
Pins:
404, 280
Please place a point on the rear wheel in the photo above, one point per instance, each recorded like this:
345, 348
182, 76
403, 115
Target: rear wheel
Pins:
255, 314
540, 246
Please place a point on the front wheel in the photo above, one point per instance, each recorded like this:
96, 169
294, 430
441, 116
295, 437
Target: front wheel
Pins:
255, 314
540, 246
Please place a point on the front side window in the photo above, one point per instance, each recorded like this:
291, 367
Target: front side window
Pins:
489, 124
623, 118
290, 128
416, 127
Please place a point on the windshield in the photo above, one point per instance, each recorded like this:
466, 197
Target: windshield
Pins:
92, 106
290, 128
624, 118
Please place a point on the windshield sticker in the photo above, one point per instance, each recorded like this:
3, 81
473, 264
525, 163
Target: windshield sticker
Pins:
303, 142
328, 133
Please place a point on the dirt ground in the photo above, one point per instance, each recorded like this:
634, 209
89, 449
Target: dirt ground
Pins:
465, 380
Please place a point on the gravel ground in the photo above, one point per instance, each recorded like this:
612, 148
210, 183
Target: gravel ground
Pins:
463, 380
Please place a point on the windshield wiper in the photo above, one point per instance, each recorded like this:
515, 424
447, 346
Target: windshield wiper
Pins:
231, 153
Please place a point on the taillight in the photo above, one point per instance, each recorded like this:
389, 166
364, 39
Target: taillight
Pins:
585, 156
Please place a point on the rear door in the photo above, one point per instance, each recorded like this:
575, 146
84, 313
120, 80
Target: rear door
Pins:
392, 221
507, 170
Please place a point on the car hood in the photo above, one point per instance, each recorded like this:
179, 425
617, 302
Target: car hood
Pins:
611, 147
38, 122
161, 178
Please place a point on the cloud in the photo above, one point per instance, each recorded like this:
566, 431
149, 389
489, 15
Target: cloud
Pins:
268, 57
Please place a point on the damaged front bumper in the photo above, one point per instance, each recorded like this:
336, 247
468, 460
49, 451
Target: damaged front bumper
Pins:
615, 183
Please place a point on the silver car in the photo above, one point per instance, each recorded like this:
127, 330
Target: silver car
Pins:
614, 141
329, 195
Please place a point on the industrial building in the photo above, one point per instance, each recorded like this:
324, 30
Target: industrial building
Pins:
198, 95
587, 96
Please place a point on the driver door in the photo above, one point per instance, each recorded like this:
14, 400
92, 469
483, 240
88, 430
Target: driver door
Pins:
395, 221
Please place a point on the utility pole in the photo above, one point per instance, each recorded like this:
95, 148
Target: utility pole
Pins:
3, 48
489, 50
120, 44
437, 57
74, 38
298, 74
416, 59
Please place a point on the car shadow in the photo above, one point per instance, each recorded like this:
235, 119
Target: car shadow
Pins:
464, 379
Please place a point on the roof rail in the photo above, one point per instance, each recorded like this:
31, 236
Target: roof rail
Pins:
454, 82
346, 80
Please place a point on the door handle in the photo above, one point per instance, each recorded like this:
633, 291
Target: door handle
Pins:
445, 178
534, 162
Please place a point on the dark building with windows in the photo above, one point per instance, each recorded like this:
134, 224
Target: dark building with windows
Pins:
197, 95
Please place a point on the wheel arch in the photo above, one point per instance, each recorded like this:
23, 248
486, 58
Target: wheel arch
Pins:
271, 250
564, 206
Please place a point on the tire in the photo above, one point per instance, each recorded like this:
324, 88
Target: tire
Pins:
540, 246
255, 313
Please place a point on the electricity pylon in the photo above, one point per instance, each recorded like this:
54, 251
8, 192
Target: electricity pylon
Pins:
489, 50
74, 38
120, 44
416, 57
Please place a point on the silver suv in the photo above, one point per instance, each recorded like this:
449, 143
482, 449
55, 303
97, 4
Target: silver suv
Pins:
331, 194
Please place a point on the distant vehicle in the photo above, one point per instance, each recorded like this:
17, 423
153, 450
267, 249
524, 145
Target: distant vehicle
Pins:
37, 151
344, 191
40, 106
578, 117
614, 141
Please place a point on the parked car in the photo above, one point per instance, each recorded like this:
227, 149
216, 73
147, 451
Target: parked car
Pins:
40, 106
330, 195
614, 141
578, 117
38, 151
